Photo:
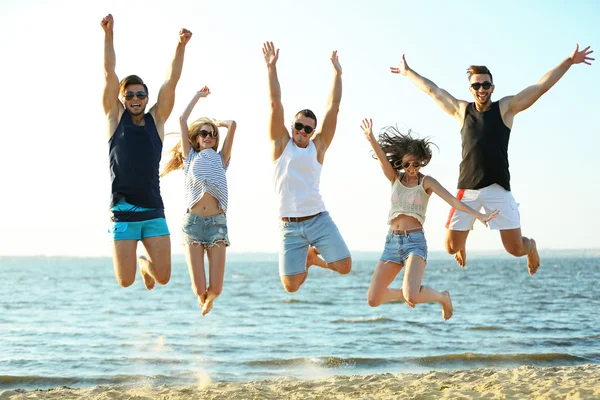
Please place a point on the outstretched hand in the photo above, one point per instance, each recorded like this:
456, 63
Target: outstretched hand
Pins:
184, 36
367, 127
271, 55
402, 68
582, 56
205, 91
107, 23
486, 217
336, 62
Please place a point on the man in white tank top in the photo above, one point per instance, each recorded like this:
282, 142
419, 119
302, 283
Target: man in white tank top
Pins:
305, 225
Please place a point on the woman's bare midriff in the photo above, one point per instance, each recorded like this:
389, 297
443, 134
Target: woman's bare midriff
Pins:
207, 206
404, 222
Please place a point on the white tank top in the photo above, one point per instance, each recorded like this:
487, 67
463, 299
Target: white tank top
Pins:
408, 201
296, 177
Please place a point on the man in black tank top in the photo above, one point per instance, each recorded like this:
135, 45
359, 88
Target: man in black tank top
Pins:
135, 145
484, 179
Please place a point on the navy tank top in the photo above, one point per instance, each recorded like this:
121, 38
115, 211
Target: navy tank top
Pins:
484, 149
134, 153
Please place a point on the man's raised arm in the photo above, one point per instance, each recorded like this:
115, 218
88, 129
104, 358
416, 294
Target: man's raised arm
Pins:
277, 132
325, 135
110, 95
444, 99
166, 96
526, 98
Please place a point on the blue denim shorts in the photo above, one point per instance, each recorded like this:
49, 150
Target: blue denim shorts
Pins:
138, 230
295, 238
207, 231
399, 247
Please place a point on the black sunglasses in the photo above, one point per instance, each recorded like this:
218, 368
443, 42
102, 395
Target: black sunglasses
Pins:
204, 133
415, 164
140, 95
485, 85
299, 126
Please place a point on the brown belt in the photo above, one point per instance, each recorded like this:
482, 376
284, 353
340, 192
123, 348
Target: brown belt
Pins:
406, 232
298, 219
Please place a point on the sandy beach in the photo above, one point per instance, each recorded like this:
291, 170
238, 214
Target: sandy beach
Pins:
579, 382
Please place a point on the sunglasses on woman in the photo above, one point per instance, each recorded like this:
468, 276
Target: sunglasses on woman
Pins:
140, 95
485, 85
299, 126
205, 133
405, 165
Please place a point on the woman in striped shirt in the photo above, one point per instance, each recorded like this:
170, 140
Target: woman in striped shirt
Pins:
204, 224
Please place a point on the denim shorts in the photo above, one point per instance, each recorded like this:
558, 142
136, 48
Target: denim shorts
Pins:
399, 247
295, 237
138, 230
207, 231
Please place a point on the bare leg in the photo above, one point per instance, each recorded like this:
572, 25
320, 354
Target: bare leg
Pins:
194, 253
124, 261
519, 245
456, 243
379, 291
342, 266
313, 258
216, 266
157, 266
291, 283
414, 293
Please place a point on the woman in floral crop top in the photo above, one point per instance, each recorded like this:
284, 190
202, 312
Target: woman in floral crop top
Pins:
401, 158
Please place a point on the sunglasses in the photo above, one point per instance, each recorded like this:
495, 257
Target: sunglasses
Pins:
485, 85
204, 133
299, 126
140, 95
415, 164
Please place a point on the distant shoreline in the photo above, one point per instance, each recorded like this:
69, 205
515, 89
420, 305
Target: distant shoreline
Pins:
234, 256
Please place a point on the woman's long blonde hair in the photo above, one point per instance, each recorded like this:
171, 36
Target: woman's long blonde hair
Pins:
176, 161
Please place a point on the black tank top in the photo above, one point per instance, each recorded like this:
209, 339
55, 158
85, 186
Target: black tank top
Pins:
484, 149
134, 154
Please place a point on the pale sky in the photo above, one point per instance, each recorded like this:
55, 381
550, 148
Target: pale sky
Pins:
54, 157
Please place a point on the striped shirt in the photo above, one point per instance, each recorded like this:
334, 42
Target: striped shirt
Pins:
205, 173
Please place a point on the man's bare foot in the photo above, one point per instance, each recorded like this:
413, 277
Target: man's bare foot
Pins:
461, 258
313, 258
208, 305
148, 279
533, 258
447, 309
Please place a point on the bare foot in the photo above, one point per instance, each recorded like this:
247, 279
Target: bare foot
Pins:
313, 258
202, 299
208, 305
148, 279
461, 258
533, 258
447, 309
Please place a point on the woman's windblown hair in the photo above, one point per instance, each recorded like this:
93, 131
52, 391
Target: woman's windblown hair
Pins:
176, 160
396, 145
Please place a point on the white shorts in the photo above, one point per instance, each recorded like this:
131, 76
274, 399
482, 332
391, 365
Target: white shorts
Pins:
490, 198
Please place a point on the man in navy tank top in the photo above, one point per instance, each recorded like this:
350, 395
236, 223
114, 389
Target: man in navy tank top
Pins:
135, 141
305, 225
484, 179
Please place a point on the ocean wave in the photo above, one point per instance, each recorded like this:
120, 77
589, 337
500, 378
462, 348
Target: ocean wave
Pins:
324, 362
496, 359
362, 320
290, 300
485, 328
8, 381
